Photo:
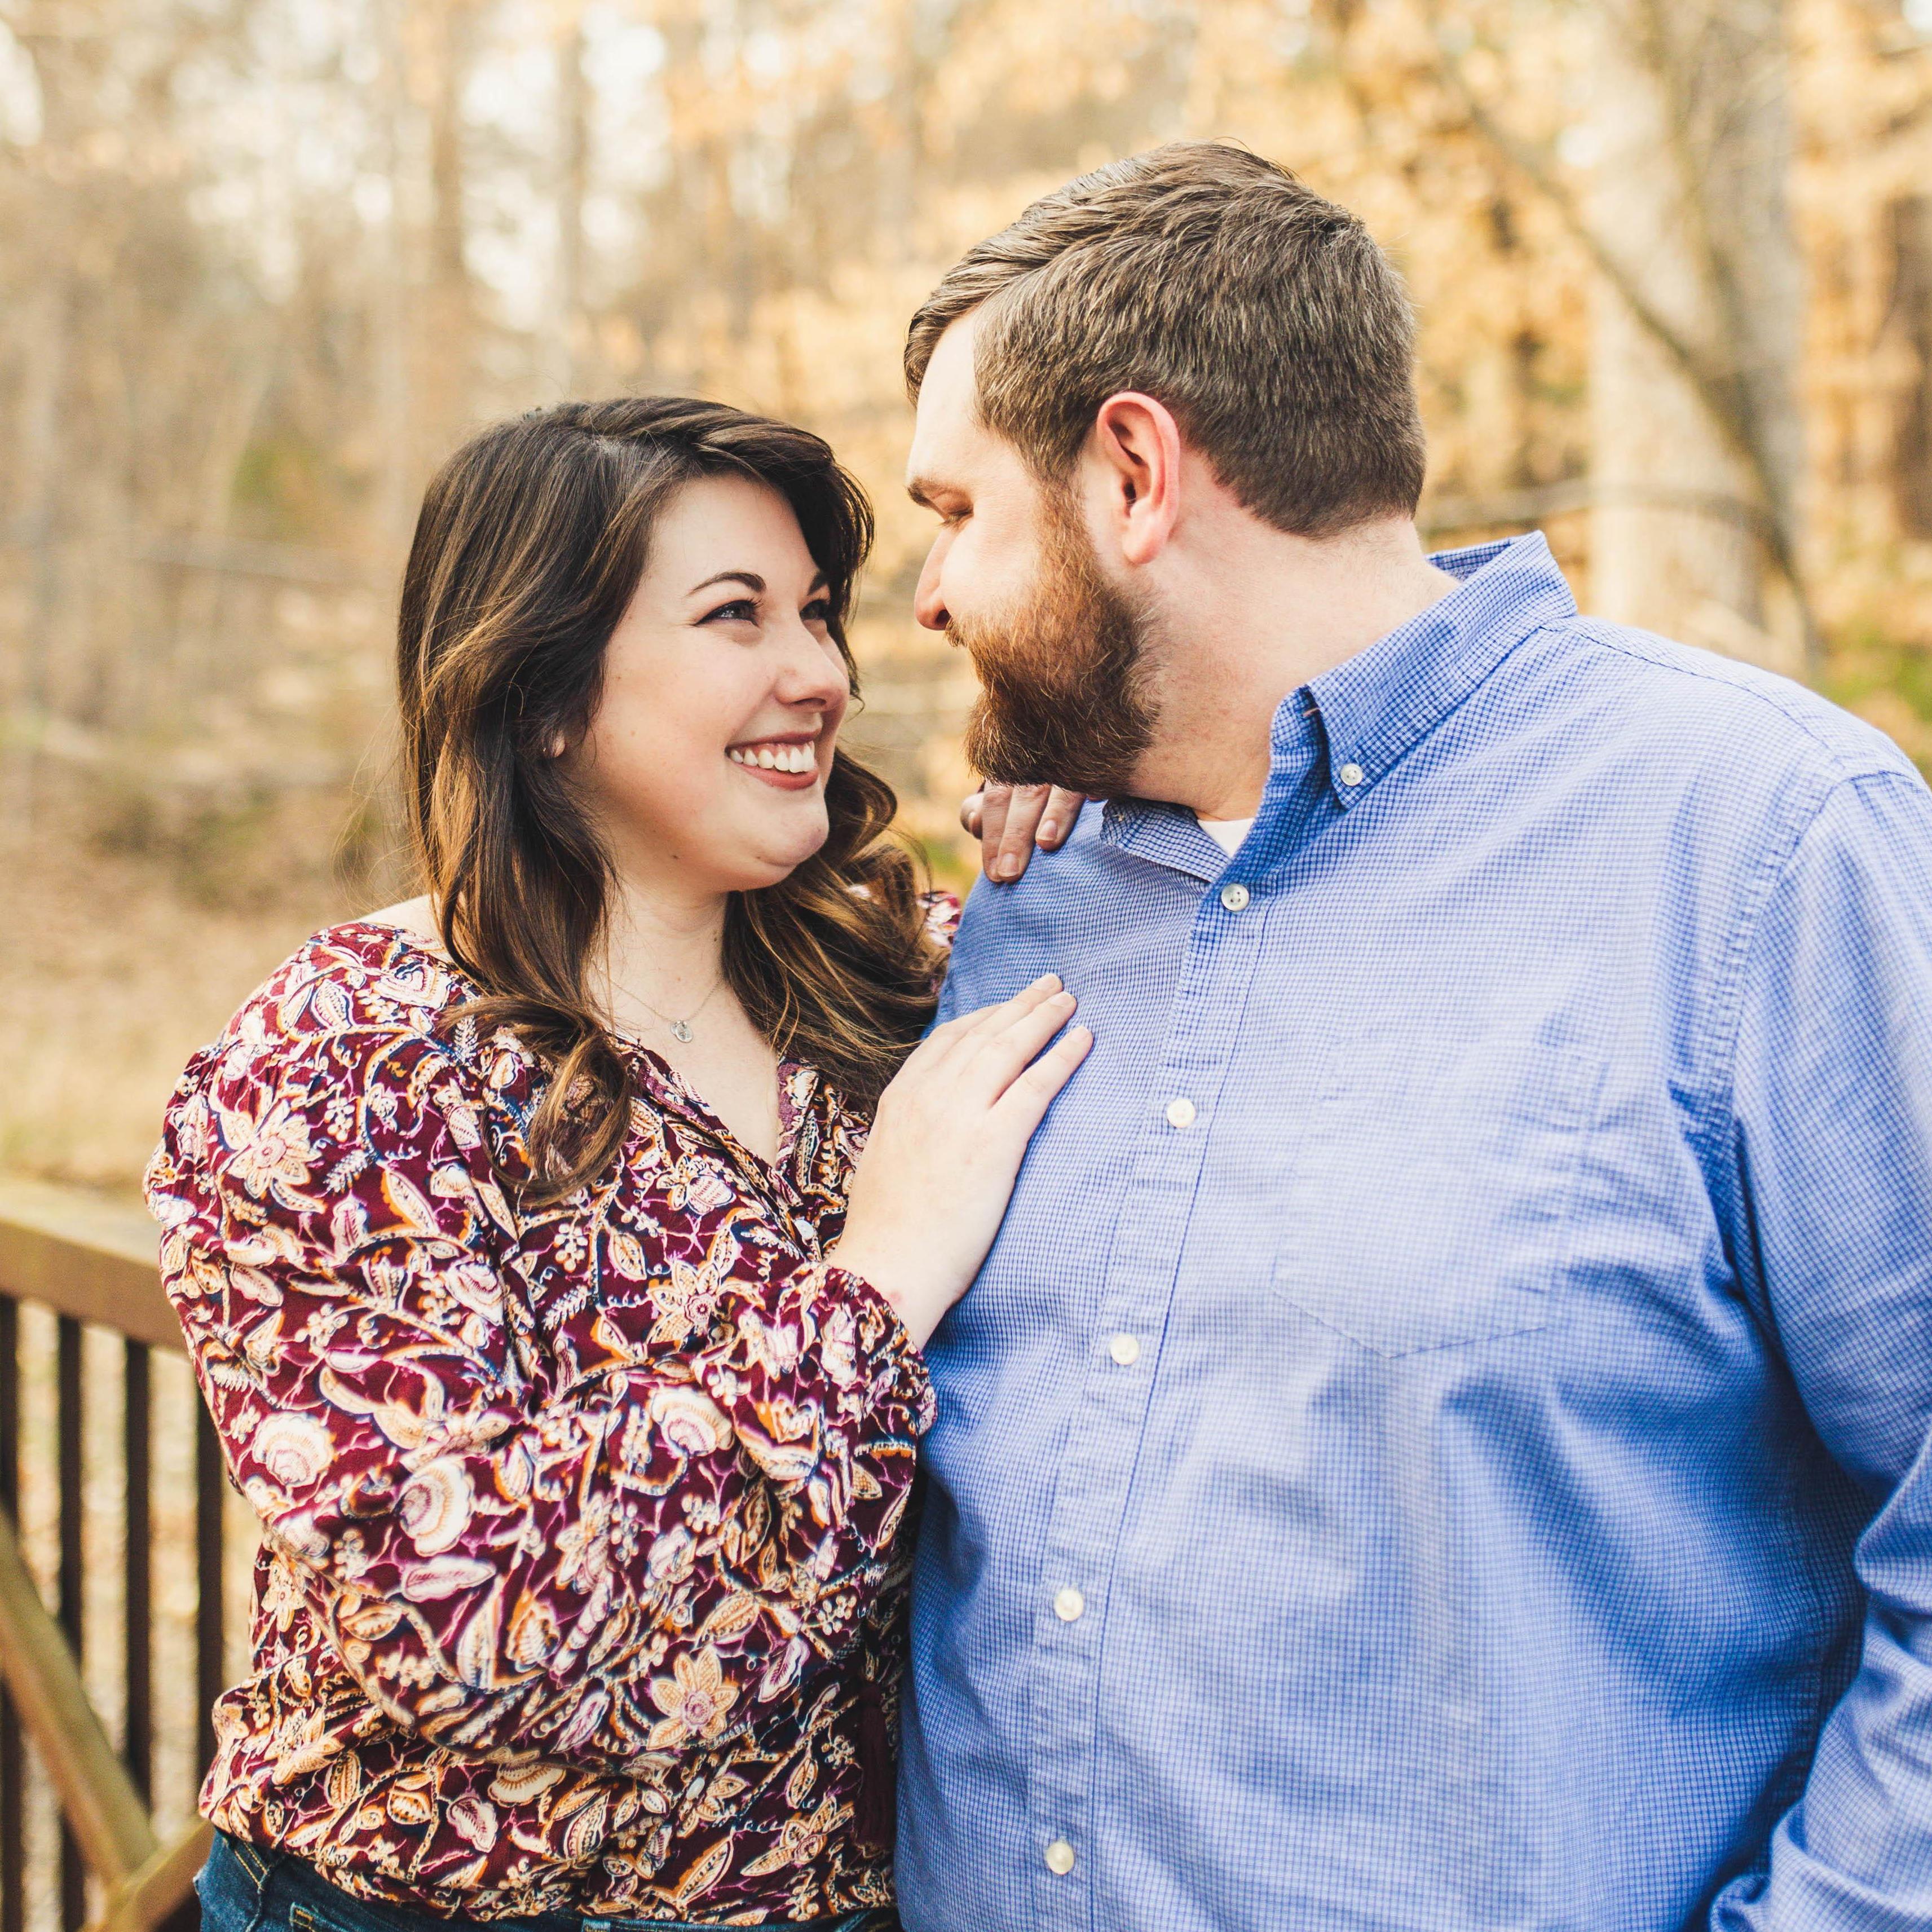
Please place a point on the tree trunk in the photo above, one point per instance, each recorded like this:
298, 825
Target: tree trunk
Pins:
568, 356
446, 389
1910, 221
395, 289
1696, 436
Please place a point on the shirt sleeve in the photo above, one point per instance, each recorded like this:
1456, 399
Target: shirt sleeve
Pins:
1833, 1106
607, 1566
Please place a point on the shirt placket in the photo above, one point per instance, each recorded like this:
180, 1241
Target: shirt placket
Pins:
1122, 1357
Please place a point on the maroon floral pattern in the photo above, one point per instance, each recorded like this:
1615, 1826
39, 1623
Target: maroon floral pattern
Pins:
578, 1591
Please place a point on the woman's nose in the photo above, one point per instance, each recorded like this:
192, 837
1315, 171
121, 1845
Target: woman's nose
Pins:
814, 673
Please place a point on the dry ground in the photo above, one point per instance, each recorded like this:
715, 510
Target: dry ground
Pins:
123, 949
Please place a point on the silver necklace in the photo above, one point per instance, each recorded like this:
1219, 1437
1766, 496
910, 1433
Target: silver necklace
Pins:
680, 1030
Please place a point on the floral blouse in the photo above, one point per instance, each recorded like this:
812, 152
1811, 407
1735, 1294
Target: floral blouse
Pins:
577, 1592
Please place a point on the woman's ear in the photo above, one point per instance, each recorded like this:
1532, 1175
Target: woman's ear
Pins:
559, 745
1136, 442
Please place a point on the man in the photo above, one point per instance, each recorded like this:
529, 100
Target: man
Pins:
1441, 1442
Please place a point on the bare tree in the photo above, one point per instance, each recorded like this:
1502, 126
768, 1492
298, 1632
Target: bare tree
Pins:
1697, 439
446, 374
569, 353
1697, 446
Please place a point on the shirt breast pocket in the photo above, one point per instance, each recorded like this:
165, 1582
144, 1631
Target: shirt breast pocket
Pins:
1430, 1204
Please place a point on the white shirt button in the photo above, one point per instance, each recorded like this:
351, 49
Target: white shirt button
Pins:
1125, 1349
1352, 774
1069, 1607
1180, 1112
1059, 1857
1234, 898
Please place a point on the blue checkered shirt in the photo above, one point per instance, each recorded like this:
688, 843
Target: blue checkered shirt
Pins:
1441, 1442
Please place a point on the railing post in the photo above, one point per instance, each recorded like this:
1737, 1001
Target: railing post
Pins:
211, 1487
73, 1501
12, 1836
138, 1731
110, 1822
90, 1263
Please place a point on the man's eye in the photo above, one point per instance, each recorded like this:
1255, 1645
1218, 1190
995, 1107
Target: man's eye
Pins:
740, 610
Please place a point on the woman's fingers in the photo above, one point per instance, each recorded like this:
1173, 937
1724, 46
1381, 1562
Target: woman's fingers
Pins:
1006, 857
1056, 821
939, 1043
995, 802
1027, 1099
1004, 1013
1009, 820
1007, 1047
994, 1057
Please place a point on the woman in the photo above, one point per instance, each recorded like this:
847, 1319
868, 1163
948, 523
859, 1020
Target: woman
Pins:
550, 1317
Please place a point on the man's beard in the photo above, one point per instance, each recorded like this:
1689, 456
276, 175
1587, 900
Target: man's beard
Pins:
1063, 685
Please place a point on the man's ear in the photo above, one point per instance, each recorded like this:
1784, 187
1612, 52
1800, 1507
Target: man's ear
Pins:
1136, 446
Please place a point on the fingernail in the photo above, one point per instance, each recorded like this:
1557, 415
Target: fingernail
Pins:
1049, 828
1009, 868
1048, 980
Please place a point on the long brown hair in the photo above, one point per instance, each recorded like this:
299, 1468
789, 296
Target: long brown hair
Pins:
532, 539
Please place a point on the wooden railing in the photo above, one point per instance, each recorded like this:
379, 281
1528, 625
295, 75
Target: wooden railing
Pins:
94, 1266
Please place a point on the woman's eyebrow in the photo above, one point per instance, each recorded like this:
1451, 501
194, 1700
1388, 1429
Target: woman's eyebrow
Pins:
750, 579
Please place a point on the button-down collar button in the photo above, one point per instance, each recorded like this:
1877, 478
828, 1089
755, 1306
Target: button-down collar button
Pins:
1059, 1857
1125, 1349
1180, 1112
1234, 898
1350, 774
1069, 1605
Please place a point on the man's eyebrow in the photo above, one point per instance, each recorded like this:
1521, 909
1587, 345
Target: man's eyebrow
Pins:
750, 579
920, 489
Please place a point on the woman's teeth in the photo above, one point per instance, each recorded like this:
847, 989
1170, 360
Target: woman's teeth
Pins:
776, 757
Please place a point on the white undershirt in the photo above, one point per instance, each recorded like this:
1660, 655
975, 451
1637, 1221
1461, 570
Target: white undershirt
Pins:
1228, 833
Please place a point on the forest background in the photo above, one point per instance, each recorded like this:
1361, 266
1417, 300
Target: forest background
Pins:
262, 262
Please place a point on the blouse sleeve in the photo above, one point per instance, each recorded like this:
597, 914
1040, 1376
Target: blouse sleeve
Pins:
605, 1563
942, 919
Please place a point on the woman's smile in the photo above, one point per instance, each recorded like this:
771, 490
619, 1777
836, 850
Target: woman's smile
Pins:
788, 761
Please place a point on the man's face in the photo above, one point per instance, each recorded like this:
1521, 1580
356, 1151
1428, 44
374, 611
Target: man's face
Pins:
1012, 577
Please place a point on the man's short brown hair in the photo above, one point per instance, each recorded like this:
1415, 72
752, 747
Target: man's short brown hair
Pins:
1264, 317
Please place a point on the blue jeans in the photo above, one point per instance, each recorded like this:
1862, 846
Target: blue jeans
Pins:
244, 1888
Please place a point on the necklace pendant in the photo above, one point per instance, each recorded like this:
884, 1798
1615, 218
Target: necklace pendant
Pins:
679, 1031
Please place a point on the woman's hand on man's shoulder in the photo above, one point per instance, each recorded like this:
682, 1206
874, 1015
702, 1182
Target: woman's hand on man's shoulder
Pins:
1009, 821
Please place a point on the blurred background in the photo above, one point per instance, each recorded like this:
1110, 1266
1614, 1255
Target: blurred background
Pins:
263, 262
266, 261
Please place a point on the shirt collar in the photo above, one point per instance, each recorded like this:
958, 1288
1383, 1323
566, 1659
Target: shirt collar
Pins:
1376, 705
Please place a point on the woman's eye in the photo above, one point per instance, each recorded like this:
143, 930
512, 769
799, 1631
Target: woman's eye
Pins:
818, 611
740, 610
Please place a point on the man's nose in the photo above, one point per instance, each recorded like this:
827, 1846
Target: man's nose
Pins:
928, 606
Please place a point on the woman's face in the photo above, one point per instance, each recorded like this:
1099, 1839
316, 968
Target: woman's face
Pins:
705, 766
